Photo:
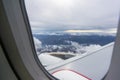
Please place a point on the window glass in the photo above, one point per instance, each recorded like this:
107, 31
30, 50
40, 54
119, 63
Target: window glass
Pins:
68, 30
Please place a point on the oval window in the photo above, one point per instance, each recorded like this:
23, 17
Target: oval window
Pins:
74, 37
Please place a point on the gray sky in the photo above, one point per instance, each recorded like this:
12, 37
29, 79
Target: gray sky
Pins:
67, 15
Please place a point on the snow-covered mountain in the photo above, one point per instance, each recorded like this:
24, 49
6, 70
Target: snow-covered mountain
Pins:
76, 44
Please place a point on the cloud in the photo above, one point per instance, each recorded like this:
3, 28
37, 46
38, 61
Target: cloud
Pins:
82, 31
111, 30
37, 42
48, 60
73, 47
70, 14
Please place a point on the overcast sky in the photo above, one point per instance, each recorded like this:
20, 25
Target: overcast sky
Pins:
71, 15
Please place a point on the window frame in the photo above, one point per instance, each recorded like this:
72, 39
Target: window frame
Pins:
17, 42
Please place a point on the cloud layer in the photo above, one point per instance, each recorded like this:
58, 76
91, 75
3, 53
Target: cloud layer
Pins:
61, 15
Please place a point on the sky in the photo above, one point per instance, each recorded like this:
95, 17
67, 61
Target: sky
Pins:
73, 15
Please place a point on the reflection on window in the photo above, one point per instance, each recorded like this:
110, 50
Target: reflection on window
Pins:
66, 30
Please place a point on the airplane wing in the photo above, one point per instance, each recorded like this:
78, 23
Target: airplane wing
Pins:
89, 66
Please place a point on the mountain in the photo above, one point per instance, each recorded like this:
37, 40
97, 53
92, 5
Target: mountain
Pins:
70, 43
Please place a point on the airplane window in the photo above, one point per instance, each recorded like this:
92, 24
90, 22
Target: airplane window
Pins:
74, 36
